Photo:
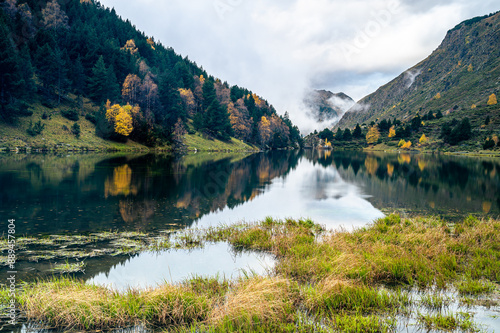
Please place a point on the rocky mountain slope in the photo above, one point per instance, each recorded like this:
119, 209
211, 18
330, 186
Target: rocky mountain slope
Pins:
459, 76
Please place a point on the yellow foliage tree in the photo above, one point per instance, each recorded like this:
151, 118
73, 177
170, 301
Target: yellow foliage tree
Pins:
392, 132
130, 47
151, 43
264, 130
473, 106
401, 143
202, 79
188, 100
492, 100
438, 96
373, 135
121, 118
327, 144
470, 68
407, 145
423, 139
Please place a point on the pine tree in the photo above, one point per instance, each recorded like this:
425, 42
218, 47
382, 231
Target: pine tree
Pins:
11, 80
357, 133
217, 121
47, 69
98, 82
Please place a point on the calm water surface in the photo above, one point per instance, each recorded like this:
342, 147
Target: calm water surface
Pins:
57, 194
71, 194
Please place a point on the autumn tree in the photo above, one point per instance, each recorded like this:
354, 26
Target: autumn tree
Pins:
188, 101
121, 118
492, 99
131, 88
373, 135
130, 47
54, 17
240, 120
392, 132
264, 131
423, 139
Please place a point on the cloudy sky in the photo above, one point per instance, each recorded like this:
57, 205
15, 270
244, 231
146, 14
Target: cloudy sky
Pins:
281, 48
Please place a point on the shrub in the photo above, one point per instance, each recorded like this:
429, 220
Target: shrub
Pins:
70, 114
75, 129
92, 118
35, 129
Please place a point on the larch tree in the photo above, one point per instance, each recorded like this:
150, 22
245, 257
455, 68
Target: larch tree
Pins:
130, 89
240, 120
54, 17
373, 135
392, 132
492, 100
264, 131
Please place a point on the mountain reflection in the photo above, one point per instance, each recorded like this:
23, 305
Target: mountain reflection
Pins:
87, 193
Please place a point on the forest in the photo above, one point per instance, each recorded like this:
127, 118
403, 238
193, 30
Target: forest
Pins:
64, 51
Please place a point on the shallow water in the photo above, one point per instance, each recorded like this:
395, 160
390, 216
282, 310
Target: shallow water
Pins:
150, 269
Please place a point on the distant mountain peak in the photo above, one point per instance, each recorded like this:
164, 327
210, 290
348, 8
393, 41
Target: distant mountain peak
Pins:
324, 105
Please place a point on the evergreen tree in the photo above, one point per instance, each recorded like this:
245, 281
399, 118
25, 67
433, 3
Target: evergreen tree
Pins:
209, 94
47, 69
113, 88
357, 133
217, 121
347, 135
98, 83
78, 77
11, 79
340, 135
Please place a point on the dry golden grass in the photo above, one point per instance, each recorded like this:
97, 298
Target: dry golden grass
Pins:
254, 302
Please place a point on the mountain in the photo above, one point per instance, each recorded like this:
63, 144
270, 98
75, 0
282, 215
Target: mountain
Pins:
74, 72
458, 78
325, 105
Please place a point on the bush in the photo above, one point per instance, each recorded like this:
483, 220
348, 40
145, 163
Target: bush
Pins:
35, 129
70, 114
488, 144
92, 118
75, 129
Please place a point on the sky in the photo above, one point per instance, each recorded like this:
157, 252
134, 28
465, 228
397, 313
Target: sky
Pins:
281, 49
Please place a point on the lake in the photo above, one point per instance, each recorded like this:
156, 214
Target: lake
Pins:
148, 194
89, 193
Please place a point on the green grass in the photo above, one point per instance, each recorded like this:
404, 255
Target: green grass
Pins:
323, 281
448, 322
57, 131
199, 142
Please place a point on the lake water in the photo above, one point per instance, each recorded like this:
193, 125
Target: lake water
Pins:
73, 194
49, 194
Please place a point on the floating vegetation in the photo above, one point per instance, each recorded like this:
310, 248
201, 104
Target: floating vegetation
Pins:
76, 267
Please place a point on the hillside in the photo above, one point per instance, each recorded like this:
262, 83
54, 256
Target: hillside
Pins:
457, 79
74, 72
325, 105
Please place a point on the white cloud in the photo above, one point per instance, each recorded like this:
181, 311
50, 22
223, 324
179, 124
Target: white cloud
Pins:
281, 48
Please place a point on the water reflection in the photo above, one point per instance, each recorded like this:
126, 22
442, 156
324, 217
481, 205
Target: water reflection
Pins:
88, 193
148, 270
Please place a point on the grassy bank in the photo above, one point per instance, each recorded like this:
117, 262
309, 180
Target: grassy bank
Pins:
367, 280
200, 142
